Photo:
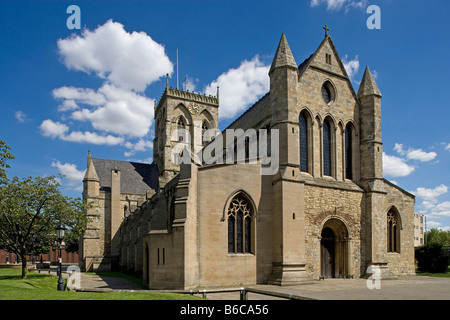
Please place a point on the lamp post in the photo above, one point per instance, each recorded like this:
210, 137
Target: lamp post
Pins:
60, 230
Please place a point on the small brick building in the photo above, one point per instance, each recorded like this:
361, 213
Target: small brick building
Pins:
51, 257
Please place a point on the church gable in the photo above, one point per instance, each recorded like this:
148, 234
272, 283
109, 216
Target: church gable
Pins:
324, 86
326, 58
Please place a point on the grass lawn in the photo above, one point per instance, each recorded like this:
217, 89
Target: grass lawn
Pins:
43, 287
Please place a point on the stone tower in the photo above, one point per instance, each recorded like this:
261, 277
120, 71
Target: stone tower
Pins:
371, 144
288, 266
91, 246
178, 110
374, 226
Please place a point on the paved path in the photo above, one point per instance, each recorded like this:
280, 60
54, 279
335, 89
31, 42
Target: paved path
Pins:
404, 288
408, 288
89, 281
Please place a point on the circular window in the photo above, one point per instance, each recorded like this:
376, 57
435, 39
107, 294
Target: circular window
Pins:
328, 93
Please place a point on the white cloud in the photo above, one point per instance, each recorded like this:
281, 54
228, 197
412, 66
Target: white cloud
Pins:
431, 194
415, 154
123, 112
118, 110
335, 5
59, 130
433, 224
331, 4
447, 147
93, 138
396, 167
240, 87
141, 145
128, 60
419, 154
68, 105
430, 204
20, 116
399, 148
351, 66
375, 74
189, 83
85, 96
53, 129
72, 174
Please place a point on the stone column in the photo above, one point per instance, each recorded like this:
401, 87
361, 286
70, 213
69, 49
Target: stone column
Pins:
288, 267
116, 214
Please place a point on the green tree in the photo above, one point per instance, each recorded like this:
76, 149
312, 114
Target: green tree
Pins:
432, 258
435, 236
30, 210
4, 156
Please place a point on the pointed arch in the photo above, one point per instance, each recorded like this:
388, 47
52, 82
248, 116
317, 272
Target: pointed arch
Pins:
240, 215
306, 141
181, 109
204, 130
208, 116
328, 146
349, 152
394, 227
181, 125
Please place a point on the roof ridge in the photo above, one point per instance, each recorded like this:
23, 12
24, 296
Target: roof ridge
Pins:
150, 164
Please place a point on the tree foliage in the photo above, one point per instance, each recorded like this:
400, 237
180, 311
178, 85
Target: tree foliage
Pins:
438, 236
30, 210
432, 258
4, 156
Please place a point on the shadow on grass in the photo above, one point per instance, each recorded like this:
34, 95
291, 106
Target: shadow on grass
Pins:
30, 276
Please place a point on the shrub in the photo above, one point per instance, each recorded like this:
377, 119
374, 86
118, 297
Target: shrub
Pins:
432, 258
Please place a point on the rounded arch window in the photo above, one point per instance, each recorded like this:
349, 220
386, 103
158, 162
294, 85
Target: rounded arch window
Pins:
328, 92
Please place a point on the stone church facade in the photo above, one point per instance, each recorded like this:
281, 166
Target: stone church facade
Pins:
326, 212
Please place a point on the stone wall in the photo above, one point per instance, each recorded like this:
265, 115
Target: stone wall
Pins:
216, 187
323, 203
402, 263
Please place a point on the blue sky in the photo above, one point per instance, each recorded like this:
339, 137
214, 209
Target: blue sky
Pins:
66, 91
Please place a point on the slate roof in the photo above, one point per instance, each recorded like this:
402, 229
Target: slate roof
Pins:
135, 178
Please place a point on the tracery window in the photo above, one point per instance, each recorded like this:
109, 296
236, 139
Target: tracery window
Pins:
239, 216
393, 232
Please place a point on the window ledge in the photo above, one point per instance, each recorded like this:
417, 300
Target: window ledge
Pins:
240, 254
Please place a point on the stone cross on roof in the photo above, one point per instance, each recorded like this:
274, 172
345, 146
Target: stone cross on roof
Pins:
326, 30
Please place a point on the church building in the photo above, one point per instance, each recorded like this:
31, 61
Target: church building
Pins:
324, 212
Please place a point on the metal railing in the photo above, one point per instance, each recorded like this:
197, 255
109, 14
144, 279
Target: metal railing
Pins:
243, 293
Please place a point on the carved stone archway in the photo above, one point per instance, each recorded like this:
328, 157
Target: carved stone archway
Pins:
334, 250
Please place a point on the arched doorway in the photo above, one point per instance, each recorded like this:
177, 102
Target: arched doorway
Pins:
334, 250
327, 253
